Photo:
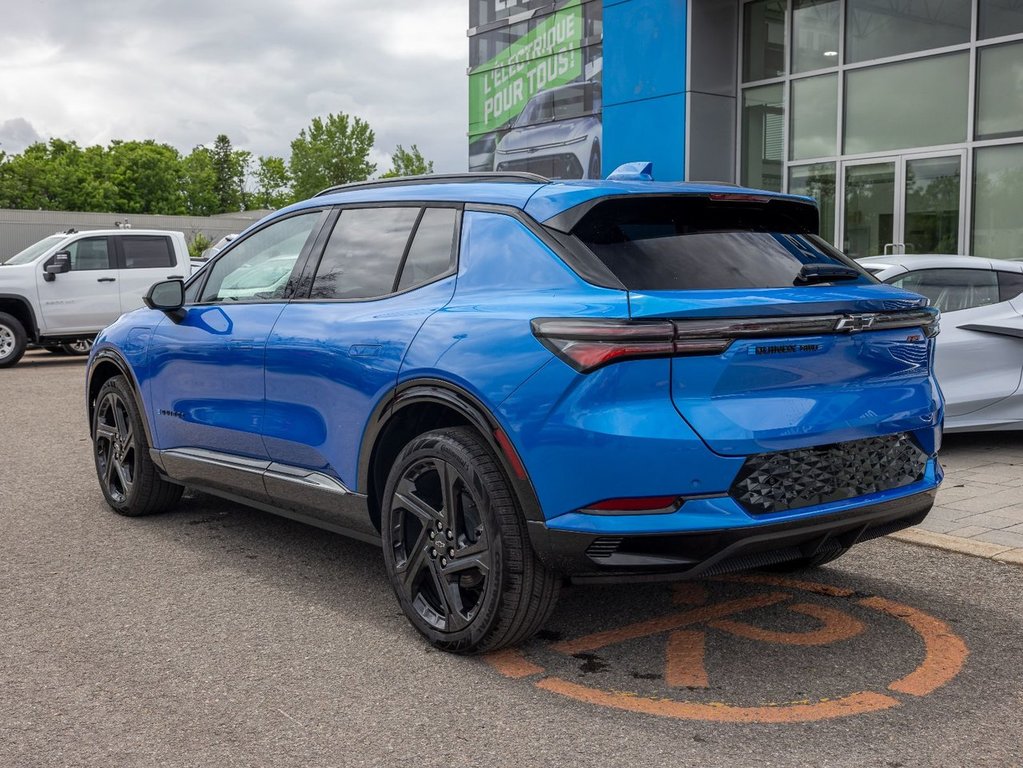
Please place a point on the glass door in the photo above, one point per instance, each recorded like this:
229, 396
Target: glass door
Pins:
907, 204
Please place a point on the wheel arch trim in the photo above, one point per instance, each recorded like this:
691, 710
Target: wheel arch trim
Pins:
112, 357
444, 393
32, 332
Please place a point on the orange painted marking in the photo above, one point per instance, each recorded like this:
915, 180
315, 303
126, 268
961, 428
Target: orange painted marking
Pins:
838, 626
683, 665
782, 581
512, 663
689, 593
853, 704
667, 623
945, 652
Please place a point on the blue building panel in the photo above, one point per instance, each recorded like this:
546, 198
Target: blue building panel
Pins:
652, 129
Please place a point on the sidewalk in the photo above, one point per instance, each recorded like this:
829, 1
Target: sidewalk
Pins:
979, 510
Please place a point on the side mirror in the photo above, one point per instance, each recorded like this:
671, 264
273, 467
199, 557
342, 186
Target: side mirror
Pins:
166, 296
58, 264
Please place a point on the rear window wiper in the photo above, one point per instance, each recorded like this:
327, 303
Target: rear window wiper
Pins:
824, 273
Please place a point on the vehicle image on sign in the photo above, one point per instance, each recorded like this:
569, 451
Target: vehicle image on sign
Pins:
557, 133
505, 381
60, 292
979, 356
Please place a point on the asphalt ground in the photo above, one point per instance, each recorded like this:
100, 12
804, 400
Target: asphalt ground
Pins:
221, 636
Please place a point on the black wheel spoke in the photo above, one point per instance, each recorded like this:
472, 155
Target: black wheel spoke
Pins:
106, 431
450, 597
119, 420
449, 481
415, 562
123, 475
407, 499
480, 562
475, 548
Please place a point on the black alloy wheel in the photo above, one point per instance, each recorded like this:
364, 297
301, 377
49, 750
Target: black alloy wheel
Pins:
456, 549
127, 476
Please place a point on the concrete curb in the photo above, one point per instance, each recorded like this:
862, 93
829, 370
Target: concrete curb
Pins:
1003, 554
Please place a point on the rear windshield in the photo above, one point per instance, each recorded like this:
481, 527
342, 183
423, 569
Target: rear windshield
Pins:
698, 243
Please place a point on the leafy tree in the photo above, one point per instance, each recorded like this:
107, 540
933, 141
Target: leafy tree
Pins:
198, 244
147, 176
273, 183
329, 152
408, 163
230, 166
199, 183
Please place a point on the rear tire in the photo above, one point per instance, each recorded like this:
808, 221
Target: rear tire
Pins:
456, 547
13, 340
127, 476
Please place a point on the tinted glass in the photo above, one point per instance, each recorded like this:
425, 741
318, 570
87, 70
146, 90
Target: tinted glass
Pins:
763, 40
814, 128
699, 244
951, 290
1010, 285
363, 254
817, 181
145, 251
869, 208
279, 244
932, 205
1000, 17
1000, 91
875, 29
814, 34
915, 103
763, 126
433, 248
90, 253
997, 202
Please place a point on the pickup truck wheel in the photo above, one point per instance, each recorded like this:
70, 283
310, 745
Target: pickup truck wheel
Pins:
456, 548
77, 347
12, 340
127, 476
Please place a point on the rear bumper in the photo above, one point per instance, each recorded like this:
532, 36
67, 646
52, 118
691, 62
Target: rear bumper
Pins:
622, 557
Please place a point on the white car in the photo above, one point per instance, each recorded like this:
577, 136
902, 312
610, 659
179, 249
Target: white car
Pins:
979, 355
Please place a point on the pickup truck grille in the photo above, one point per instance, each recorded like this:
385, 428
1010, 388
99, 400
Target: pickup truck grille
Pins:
776, 482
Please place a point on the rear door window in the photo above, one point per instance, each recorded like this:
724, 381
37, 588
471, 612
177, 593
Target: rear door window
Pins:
698, 243
951, 290
1010, 285
433, 248
364, 252
146, 251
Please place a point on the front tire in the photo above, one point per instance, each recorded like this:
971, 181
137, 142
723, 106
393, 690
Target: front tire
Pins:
456, 548
127, 476
13, 340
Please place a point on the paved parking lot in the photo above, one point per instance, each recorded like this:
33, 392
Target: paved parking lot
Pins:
221, 636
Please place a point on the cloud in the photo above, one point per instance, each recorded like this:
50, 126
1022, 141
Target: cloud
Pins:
182, 72
16, 134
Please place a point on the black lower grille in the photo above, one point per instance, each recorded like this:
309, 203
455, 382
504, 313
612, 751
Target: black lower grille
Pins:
775, 482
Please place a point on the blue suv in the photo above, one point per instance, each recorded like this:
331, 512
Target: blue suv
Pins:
507, 381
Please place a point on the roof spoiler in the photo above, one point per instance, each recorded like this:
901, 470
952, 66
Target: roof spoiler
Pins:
640, 171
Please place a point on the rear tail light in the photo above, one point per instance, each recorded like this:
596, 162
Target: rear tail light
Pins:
587, 344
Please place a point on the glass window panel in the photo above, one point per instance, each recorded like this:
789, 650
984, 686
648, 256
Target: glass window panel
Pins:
932, 205
952, 290
814, 34
997, 202
1000, 91
813, 129
433, 249
869, 208
817, 181
763, 40
364, 252
763, 120
147, 251
90, 253
915, 103
1000, 17
878, 28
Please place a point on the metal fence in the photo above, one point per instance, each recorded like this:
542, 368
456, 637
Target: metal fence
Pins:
19, 229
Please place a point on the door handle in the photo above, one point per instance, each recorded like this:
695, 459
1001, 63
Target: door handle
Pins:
175, 277
106, 279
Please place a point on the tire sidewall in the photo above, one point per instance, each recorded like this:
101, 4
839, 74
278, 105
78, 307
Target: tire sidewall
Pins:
439, 445
15, 328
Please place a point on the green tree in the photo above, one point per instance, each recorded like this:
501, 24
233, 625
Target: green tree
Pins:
273, 183
199, 183
408, 163
230, 167
147, 176
329, 152
198, 244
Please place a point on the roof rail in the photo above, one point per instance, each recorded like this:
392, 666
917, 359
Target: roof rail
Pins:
439, 178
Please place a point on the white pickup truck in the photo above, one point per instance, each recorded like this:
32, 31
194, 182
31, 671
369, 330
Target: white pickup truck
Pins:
66, 288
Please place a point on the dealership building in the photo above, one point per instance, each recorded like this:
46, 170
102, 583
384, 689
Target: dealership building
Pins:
903, 118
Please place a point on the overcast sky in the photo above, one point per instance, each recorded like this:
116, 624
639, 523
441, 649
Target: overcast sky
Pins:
183, 71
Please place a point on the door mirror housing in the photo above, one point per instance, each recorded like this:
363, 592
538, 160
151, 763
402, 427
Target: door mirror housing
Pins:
167, 296
58, 264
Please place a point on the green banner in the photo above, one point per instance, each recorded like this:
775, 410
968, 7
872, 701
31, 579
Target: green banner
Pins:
546, 57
